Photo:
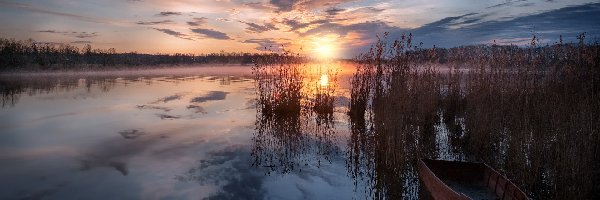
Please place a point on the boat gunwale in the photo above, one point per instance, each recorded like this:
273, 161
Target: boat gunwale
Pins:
448, 192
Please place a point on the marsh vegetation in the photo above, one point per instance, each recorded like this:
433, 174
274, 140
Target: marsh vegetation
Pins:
532, 113
295, 108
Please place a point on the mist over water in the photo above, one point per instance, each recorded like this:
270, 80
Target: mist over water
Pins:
185, 133
289, 131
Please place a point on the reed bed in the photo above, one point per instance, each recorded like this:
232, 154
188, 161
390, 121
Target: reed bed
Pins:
530, 112
294, 123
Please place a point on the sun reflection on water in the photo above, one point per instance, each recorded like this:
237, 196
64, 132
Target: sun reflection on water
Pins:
324, 80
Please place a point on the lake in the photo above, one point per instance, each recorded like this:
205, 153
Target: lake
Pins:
184, 133
313, 131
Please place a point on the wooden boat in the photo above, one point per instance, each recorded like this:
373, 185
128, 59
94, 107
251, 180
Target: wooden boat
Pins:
466, 180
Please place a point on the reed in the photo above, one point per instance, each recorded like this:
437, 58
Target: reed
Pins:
530, 112
294, 123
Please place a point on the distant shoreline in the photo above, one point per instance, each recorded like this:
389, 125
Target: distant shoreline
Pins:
149, 70
95, 68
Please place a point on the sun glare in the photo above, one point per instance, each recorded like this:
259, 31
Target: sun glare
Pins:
325, 47
324, 80
324, 51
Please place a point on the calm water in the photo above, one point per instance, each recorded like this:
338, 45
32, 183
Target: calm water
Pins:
237, 132
185, 133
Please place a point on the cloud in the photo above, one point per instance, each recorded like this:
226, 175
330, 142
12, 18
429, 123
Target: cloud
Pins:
210, 96
343, 29
441, 23
235, 174
131, 133
197, 21
51, 31
283, 5
369, 9
317, 4
82, 42
72, 33
168, 98
260, 6
155, 22
506, 3
37, 9
167, 13
296, 25
334, 11
209, 33
471, 29
119, 153
256, 28
230, 171
223, 19
448, 22
354, 38
174, 33
356, 14
267, 44
289, 5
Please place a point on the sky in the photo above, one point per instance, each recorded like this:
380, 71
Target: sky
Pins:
338, 28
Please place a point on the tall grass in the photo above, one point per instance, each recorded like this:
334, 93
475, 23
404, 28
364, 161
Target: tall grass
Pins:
294, 123
539, 122
531, 113
393, 110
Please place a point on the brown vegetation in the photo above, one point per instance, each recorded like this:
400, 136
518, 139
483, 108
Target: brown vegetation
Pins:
531, 113
294, 123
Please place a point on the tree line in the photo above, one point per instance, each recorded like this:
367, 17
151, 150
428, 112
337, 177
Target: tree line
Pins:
32, 55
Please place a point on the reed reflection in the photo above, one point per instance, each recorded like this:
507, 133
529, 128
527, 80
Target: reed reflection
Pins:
294, 123
12, 88
393, 115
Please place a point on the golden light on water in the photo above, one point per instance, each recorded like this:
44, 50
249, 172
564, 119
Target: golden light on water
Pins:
320, 79
324, 80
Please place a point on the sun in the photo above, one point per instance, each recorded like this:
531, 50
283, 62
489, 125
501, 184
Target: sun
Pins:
324, 51
325, 47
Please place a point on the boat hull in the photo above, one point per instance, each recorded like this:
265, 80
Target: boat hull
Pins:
449, 180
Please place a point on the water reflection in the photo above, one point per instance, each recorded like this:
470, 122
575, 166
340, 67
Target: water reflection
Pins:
210, 96
160, 134
174, 135
324, 80
393, 124
294, 122
10, 93
13, 86
101, 135
229, 169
